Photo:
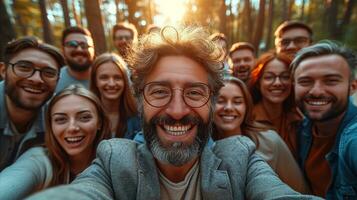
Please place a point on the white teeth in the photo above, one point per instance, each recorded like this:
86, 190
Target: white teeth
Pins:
317, 103
277, 91
32, 90
74, 139
228, 117
177, 129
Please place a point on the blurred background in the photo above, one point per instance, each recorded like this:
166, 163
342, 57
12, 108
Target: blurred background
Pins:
241, 20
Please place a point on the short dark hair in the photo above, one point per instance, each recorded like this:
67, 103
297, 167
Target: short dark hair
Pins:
286, 25
126, 26
241, 45
74, 29
27, 42
326, 47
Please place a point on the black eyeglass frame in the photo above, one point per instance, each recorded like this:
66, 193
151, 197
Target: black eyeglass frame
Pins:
34, 69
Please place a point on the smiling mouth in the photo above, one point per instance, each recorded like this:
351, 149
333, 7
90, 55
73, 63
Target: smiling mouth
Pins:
33, 90
74, 140
317, 102
228, 118
177, 130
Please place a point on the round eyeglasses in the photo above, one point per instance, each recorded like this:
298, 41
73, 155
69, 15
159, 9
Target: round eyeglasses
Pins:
159, 94
26, 69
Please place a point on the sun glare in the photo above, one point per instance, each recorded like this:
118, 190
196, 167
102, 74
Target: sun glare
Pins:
169, 12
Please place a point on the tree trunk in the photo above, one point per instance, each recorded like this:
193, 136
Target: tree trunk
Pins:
346, 19
67, 22
7, 32
332, 18
284, 11
259, 29
290, 8
302, 11
132, 8
117, 12
95, 25
247, 20
47, 30
75, 14
222, 17
270, 24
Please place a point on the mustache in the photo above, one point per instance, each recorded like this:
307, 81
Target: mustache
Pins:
166, 119
321, 97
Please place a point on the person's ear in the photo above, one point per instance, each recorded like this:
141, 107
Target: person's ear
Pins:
353, 86
2, 70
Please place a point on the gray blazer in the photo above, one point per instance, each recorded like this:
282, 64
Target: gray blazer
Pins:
124, 169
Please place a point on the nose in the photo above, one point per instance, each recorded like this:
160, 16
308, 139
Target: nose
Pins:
111, 81
228, 106
291, 45
73, 126
277, 81
36, 77
177, 108
317, 89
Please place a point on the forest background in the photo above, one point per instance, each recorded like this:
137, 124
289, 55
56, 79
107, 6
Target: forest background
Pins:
241, 20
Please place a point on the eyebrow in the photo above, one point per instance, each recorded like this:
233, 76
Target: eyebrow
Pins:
80, 112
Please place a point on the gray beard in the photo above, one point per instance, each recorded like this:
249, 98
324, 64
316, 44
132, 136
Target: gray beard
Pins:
177, 153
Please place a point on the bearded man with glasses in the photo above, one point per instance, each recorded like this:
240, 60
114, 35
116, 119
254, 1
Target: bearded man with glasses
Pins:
30, 71
176, 79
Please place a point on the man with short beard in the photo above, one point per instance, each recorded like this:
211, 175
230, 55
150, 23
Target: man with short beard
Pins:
242, 60
30, 71
328, 136
176, 80
78, 51
124, 35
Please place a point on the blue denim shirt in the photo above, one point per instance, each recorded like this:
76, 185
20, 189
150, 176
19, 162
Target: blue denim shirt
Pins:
342, 158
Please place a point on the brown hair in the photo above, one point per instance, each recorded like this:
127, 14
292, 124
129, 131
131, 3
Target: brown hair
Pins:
127, 107
249, 126
125, 26
15, 46
241, 45
257, 73
191, 42
59, 158
74, 29
286, 25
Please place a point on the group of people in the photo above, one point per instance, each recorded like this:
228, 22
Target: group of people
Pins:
175, 115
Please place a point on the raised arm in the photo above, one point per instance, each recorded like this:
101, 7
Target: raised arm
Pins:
31, 172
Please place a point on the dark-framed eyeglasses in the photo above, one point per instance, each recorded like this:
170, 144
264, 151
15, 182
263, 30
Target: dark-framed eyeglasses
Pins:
298, 41
75, 44
25, 69
271, 78
159, 94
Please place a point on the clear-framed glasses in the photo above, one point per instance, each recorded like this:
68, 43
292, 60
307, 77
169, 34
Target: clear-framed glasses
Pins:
298, 41
271, 78
75, 44
158, 94
26, 69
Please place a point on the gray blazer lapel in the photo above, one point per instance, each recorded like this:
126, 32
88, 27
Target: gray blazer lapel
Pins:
215, 183
148, 185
